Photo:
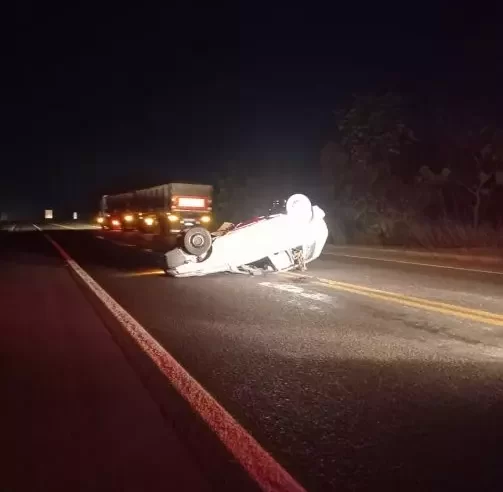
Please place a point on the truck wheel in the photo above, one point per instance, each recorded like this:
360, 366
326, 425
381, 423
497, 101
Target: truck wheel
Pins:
197, 241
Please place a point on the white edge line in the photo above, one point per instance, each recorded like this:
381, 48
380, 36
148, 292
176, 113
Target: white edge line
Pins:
12, 228
259, 464
475, 270
36, 227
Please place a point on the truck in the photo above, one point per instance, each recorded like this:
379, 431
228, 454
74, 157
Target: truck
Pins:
165, 209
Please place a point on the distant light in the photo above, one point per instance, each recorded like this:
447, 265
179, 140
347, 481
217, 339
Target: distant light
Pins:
128, 218
100, 220
115, 222
75, 216
148, 221
48, 214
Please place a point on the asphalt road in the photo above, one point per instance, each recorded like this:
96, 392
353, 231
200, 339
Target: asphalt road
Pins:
357, 375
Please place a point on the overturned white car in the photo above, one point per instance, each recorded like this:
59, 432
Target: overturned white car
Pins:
278, 242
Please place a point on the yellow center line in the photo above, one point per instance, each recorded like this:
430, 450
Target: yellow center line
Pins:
411, 301
143, 273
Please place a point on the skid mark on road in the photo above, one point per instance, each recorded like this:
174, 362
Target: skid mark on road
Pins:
299, 291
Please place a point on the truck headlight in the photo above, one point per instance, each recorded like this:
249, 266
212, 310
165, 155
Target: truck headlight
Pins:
149, 221
173, 218
205, 219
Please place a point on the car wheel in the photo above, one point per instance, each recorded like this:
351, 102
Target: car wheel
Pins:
299, 207
197, 241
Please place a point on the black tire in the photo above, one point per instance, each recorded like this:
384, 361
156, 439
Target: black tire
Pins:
300, 207
197, 241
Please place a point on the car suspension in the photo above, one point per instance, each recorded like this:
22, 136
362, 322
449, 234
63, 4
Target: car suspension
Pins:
299, 260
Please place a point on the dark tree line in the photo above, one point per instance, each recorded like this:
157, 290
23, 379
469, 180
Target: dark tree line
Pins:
389, 175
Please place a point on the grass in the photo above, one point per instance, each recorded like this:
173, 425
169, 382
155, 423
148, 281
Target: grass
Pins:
448, 234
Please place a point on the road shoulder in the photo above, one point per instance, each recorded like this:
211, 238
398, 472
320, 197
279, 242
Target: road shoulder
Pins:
76, 416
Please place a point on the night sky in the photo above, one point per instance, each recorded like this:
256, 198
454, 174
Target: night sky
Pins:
101, 99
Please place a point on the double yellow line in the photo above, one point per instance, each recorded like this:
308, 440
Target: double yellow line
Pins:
410, 301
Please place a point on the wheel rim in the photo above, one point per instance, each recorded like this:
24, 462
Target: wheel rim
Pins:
197, 241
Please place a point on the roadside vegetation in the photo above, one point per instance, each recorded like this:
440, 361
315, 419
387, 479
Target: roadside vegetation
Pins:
392, 174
